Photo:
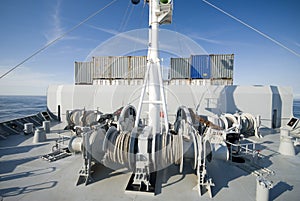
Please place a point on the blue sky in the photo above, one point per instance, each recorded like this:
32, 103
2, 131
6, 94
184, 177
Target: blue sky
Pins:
28, 25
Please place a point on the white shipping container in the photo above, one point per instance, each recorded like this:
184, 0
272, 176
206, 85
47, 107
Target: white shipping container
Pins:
102, 67
84, 72
120, 67
137, 67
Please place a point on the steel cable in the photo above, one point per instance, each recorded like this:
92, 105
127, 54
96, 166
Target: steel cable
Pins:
58, 38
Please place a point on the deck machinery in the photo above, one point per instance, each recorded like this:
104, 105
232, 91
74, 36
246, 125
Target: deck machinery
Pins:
146, 146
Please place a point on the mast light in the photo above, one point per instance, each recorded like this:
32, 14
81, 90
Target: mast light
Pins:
165, 1
135, 2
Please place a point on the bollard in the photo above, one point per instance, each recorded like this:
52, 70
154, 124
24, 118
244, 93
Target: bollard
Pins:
263, 187
284, 132
46, 126
28, 128
286, 146
39, 135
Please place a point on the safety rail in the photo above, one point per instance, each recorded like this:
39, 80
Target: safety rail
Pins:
250, 166
242, 149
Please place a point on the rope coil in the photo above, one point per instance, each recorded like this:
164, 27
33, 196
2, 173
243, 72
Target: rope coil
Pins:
117, 148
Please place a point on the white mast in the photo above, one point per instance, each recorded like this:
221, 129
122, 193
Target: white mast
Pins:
154, 68
160, 12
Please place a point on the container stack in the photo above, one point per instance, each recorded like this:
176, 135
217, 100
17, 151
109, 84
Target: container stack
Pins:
122, 70
202, 70
108, 69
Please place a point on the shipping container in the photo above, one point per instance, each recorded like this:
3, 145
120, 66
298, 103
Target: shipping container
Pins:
137, 67
200, 67
120, 67
222, 66
84, 72
180, 68
102, 66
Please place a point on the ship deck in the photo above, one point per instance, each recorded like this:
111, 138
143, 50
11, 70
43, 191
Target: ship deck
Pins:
24, 175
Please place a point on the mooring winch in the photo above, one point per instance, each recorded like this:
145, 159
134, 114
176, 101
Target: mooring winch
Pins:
122, 139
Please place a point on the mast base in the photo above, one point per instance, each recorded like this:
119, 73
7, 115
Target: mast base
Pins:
142, 188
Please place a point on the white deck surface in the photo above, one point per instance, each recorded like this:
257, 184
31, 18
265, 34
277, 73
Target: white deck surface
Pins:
25, 176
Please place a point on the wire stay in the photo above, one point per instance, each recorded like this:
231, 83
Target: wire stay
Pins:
58, 38
254, 29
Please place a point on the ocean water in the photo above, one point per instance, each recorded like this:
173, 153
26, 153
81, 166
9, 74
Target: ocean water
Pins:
296, 108
12, 107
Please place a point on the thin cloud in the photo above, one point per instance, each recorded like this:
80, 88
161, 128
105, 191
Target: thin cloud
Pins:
135, 38
110, 31
56, 29
197, 37
139, 36
56, 19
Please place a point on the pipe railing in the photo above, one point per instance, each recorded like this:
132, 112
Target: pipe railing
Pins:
244, 149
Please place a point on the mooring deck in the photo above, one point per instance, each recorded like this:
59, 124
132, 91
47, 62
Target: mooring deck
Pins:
24, 175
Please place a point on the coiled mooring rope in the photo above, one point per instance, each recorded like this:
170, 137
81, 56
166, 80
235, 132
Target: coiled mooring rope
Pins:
117, 148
